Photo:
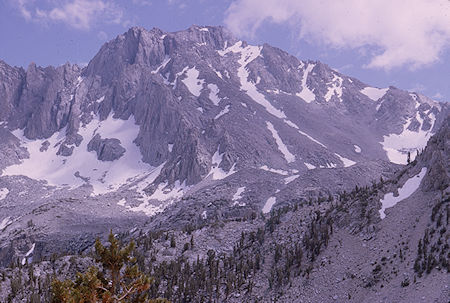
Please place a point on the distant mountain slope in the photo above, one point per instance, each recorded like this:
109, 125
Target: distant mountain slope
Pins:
348, 246
158, 118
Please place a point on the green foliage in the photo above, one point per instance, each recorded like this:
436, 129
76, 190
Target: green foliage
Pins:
119, 281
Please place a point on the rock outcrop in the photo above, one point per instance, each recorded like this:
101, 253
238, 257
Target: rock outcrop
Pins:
107, 149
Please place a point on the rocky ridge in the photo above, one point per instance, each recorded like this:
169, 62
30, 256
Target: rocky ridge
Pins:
195, 126
328, 248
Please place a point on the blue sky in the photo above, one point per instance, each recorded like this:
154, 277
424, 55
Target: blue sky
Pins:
382, 43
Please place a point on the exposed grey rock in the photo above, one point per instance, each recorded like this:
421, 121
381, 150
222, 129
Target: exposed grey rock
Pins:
140, 74
10, 151
189, 133
65, 150
436, 157
44, 146
108, 149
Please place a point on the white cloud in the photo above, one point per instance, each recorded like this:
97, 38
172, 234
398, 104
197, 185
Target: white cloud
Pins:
413, 33
142, 2
102, 36
21, 5
418, 88
438, 96
79, 14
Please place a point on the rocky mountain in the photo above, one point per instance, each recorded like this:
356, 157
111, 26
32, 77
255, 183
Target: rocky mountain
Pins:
384, 242
168, 131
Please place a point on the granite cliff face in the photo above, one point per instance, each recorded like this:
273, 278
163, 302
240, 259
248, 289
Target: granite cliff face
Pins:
184, 120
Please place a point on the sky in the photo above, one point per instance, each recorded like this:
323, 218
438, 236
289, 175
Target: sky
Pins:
384, 42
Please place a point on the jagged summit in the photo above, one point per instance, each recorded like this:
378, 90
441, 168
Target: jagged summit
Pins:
196, 117
150, 48
178, 86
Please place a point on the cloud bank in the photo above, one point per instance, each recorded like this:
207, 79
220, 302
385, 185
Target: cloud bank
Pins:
411, 33
78, 14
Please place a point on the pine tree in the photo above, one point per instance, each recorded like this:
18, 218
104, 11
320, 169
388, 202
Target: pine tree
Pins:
172, 241
120, 281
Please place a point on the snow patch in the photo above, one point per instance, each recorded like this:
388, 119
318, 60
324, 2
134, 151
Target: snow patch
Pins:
290, 179
274, 170
78, 83
214, 94
374, 93
204, 215
216, 172
170, 147
311, 138
397, 146
345, 161
306, 94
269, 204
247, 55
219, 74
309, 166
335, 89
145, 181
277, 91
223, 112
122, 202
328, 165
24, 260
162, 66
410, 186
5, 222
4, 193
83, 166
378, 105
238, 195
192, 82
281, 146
163, 192
293, 125
357, 148
31, 250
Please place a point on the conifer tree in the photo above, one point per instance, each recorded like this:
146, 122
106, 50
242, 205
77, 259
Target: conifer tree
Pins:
120, 281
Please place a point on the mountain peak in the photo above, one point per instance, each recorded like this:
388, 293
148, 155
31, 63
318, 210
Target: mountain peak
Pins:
189, 94
150, 47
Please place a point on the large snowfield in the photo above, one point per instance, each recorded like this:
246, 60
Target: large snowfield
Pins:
82, 165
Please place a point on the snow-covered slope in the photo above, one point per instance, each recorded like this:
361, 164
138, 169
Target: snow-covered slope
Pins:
83, 166
410, 186
157, 119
